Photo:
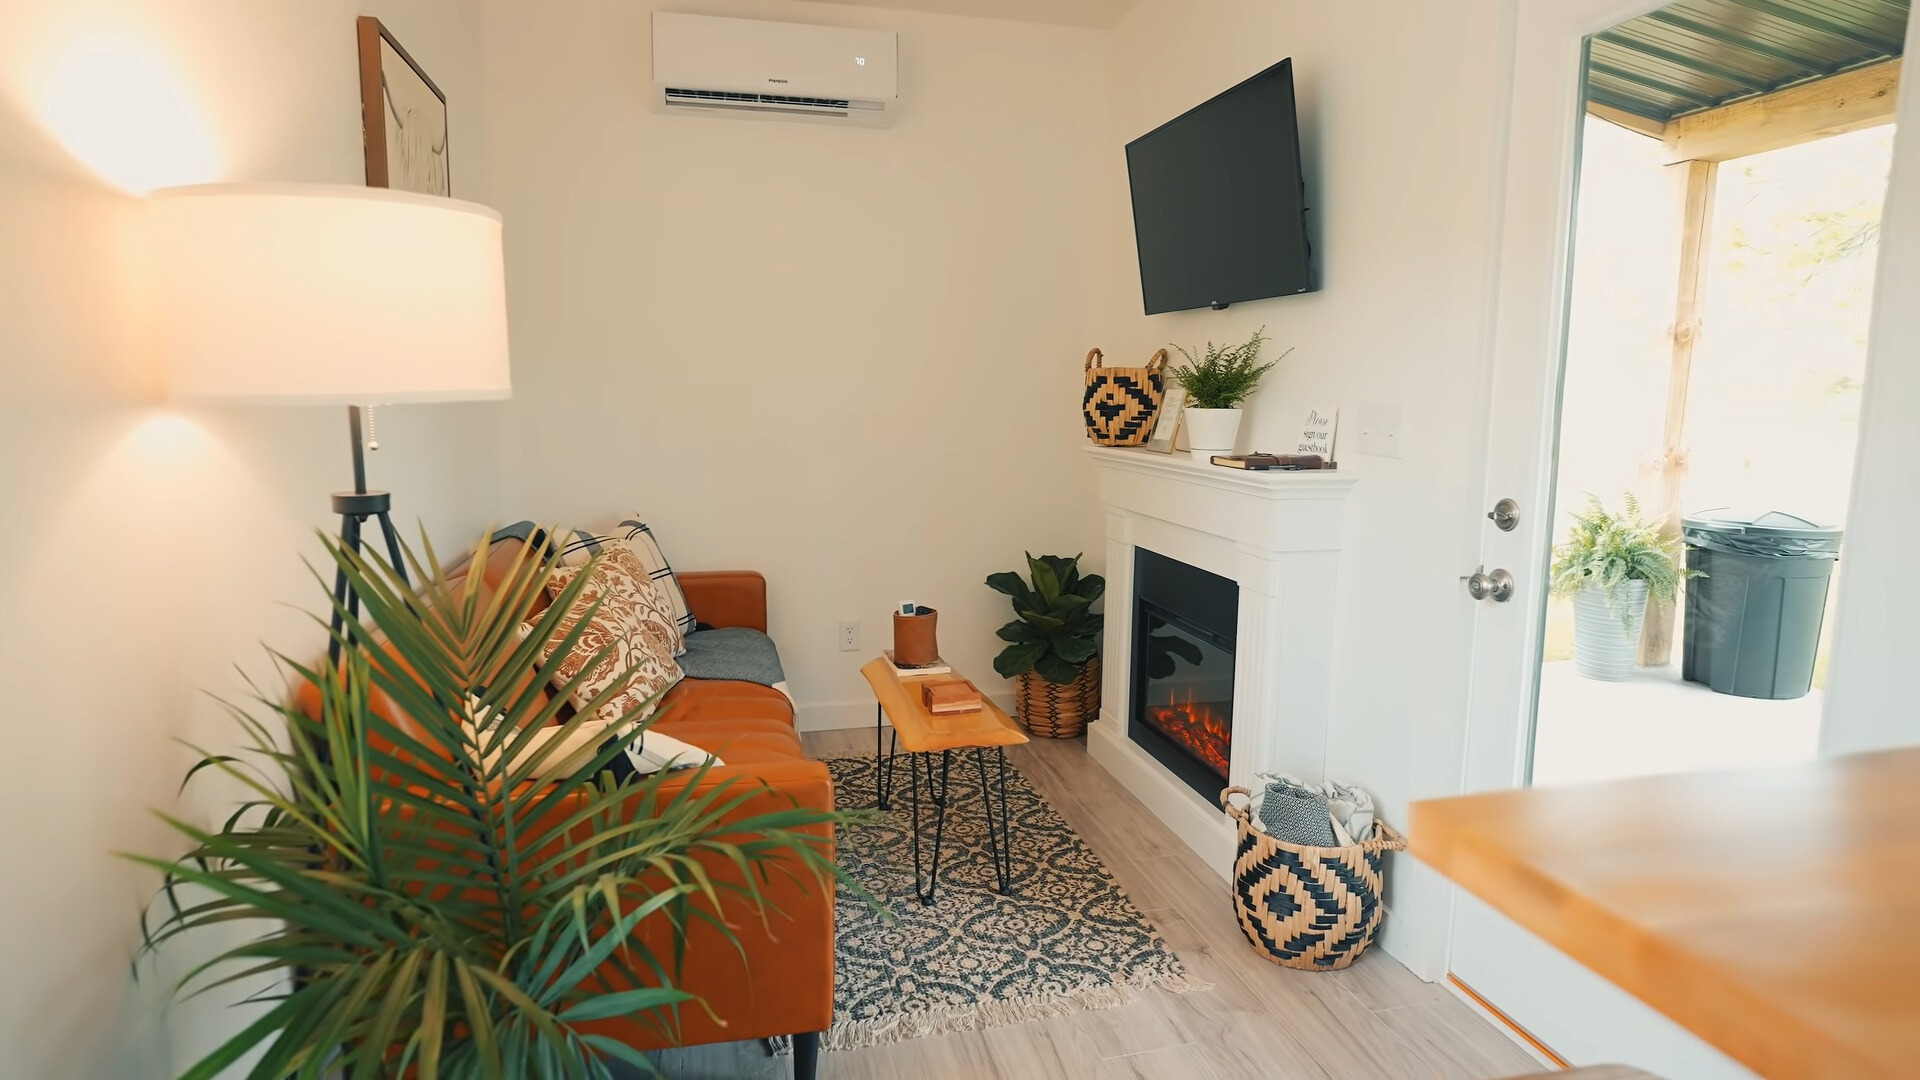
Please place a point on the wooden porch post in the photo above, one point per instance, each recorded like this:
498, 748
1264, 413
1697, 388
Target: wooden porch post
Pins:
1657, 634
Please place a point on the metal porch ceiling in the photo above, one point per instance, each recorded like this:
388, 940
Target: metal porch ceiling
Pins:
1698, 54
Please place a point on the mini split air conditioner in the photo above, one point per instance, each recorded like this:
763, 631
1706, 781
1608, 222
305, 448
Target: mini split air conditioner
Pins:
703, 62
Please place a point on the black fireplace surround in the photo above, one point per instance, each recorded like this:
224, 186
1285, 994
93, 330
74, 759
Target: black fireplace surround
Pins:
1182, 669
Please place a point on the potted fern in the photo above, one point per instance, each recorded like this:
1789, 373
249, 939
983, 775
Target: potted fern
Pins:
1609, 564
1052, 644
1217, 382
441, 913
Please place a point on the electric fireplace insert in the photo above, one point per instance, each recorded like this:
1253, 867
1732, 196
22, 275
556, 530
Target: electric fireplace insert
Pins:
1182, 669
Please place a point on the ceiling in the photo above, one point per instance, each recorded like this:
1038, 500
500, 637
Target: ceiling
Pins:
1101, 13
1698, 54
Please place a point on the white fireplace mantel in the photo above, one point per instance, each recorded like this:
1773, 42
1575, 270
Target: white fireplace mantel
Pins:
1278, 535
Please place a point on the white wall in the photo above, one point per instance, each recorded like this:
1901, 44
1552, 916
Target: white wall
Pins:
1870, 690
1401, 118
150, 549
846, 357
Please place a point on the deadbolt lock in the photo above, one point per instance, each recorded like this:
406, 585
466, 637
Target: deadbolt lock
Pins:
1504, 515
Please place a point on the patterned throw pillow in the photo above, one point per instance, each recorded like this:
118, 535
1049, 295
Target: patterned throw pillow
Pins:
635, 535
635, 618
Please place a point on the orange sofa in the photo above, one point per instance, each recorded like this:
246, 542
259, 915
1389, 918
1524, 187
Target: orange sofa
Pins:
783, 985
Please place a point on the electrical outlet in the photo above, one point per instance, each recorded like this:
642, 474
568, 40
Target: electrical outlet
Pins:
849, 635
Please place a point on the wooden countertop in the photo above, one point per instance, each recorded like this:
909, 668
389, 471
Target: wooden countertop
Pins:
1775, 913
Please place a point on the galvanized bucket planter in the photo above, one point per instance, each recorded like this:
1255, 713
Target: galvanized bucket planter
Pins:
1606, 630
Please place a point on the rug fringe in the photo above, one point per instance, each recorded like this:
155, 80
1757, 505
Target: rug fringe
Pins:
847, 1034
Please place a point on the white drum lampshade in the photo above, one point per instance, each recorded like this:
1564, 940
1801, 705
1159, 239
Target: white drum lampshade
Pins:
328, 294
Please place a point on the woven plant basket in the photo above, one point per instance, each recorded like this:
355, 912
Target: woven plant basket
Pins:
1312, 908
1120, 403
1054, 711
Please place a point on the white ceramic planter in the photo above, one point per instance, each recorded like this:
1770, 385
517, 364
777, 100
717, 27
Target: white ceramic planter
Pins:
1606, 631
1211, 431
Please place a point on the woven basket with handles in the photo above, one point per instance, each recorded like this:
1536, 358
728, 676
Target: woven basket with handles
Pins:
1120, 403
1312, 908
1055, 711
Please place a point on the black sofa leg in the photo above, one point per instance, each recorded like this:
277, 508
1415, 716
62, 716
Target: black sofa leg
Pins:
806, 1055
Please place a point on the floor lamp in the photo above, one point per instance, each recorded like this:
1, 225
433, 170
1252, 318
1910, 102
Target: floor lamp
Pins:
311, 294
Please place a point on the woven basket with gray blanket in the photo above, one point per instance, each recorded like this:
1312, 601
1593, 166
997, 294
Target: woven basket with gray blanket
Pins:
1311, 906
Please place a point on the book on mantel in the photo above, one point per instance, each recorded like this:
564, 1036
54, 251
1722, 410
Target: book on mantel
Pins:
944, 697
914, 671
1258, 462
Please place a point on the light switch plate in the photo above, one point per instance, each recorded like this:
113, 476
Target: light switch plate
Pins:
1377, 430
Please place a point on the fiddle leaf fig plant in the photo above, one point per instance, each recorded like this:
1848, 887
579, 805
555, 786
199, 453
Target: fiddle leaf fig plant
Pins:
1054, 632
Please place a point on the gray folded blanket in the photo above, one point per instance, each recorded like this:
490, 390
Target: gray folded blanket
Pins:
733, 652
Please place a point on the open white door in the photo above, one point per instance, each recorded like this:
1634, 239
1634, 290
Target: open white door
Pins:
1565, 1011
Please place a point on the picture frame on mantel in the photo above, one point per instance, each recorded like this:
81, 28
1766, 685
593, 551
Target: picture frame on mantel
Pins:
403, 116
1166, 426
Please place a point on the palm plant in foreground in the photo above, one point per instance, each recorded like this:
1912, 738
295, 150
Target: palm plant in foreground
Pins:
442, 913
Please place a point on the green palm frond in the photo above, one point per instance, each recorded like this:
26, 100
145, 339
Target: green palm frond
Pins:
446, 915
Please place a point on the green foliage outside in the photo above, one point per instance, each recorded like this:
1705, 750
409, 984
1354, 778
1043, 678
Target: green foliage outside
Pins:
1054, 631
1604, 550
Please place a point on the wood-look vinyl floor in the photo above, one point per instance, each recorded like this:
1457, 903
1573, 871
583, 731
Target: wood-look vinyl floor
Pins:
1375, 1019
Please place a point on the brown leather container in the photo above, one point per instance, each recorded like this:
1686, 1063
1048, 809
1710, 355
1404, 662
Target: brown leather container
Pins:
913, 637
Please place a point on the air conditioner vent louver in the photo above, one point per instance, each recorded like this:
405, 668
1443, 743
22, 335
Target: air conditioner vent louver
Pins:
783, 102
707, 64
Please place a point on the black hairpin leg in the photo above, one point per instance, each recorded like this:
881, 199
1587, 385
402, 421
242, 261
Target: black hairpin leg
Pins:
1000, 838
926, 881
883, 762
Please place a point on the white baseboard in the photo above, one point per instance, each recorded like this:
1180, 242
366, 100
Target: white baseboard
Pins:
841, 715
834, 715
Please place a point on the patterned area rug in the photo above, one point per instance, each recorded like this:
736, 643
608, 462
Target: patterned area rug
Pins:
1067, 940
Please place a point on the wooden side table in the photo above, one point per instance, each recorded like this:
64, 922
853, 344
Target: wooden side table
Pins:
923, 735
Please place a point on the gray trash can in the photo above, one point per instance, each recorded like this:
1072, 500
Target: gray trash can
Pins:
1753, 621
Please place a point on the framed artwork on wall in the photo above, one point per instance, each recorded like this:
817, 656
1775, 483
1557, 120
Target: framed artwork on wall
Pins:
403, 116
1166, 426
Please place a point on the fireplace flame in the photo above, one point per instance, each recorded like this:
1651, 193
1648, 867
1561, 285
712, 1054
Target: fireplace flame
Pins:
1201, 728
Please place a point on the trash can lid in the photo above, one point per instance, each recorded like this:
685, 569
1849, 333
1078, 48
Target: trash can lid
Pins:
1761, 523
1767, 532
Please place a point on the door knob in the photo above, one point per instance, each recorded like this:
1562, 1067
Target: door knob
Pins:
1495, 585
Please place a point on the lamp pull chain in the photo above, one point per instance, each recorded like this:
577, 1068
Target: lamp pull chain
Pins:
373, 437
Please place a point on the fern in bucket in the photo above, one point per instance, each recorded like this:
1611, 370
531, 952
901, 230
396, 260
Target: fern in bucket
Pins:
1610, 564
1605, 551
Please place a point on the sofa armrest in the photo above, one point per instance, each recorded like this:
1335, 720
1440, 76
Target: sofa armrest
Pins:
727, 597
772, 972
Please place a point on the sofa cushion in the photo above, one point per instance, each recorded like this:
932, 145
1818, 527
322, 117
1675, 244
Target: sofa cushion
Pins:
738, 742
725, 697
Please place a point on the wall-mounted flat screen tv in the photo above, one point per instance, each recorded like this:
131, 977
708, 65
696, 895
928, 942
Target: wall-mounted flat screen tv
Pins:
1219, 203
